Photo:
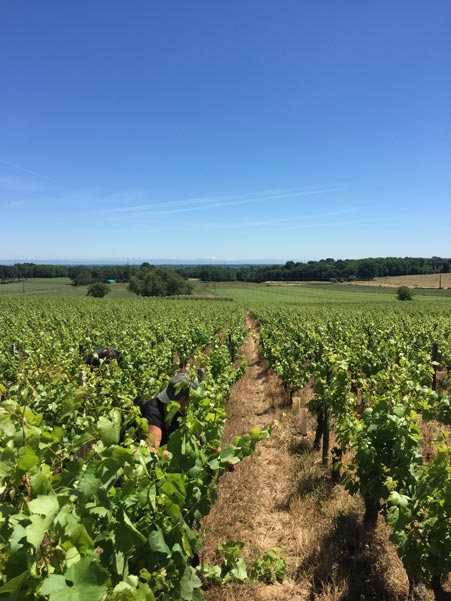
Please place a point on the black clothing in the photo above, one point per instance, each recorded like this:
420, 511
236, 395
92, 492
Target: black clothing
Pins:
106, 353
154, 411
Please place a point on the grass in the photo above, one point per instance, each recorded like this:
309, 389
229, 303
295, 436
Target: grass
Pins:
245, 292
241, 292
56, 287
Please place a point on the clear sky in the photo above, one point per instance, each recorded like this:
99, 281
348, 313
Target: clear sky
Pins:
239, 130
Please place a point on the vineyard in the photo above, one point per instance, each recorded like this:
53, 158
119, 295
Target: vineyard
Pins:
89, 511
377, 379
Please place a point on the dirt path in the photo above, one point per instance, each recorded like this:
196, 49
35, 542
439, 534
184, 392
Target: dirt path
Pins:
281, 498
253, 501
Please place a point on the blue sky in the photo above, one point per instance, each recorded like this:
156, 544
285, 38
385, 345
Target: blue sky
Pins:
239, 130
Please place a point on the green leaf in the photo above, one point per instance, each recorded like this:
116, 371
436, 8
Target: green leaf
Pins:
102, 511
7, 469
27, 458
173, 486
138, 591
110, 429
395, 498
39, 483
214, 464
37, 529
213, 573
399, 410
16, 537
188, 583
127, 537
158, 544
227, 453
132, 528
43, 510
13, 587
77, 532
120, 454
83, 581
72, 556
55, 435
89, 484
44, 505
239, 571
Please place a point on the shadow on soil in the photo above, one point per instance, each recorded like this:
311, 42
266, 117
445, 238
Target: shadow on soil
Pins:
300, 446
315, 483
347, 554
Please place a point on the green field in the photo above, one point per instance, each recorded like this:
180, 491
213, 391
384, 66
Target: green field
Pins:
311, 293
241, 292
56, 287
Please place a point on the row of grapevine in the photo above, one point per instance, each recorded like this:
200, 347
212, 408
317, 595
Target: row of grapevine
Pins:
374, 378
86, 509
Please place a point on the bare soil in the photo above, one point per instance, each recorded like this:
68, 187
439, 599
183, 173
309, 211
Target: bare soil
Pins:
412, 281
283, 498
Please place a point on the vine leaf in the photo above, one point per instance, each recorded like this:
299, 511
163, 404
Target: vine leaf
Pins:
13, 587
84, 581
43, 510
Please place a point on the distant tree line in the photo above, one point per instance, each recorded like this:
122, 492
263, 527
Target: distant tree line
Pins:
147, 277
23, 271
212, 273
144, 280
323, 270
80, 275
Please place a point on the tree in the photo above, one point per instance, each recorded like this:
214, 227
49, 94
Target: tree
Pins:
158, 281
81, 275
404, 293
367, 269
98, 290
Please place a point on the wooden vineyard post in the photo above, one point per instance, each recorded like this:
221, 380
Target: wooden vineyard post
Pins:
434, 365
302, 412
82, 378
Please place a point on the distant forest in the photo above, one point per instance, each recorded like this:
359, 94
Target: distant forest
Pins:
325, 270
79, 274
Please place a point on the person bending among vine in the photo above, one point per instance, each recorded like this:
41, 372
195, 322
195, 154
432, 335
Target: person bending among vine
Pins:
161, 425
103, 354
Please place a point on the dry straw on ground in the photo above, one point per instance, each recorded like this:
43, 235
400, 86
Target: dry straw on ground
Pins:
435, 280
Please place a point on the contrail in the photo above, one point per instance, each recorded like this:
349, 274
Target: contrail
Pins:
27, 170
207, 202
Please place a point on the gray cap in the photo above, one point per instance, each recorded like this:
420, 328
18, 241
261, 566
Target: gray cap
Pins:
178, 386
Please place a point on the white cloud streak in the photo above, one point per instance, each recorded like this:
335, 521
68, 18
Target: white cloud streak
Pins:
14, 184
25, 170
282, 224
212, 202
